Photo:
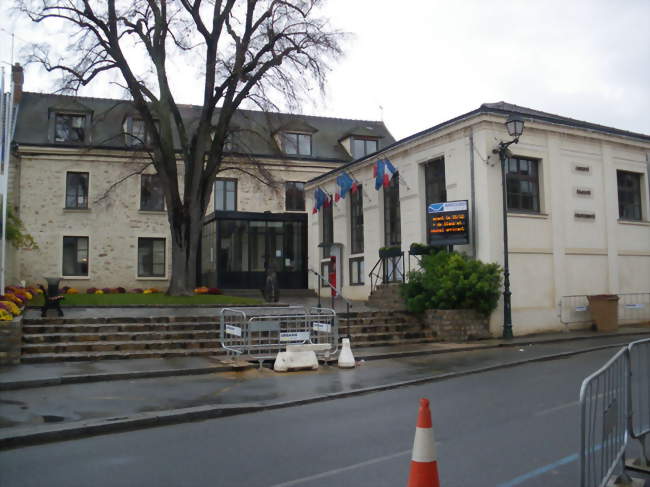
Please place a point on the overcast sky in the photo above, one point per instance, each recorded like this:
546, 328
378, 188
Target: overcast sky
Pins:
426, 61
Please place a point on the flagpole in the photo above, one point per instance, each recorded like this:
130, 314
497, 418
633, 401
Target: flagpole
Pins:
6, 142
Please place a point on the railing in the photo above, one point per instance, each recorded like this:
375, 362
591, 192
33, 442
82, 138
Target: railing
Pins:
604, 410
639, 399
632, 308
388, 269
260, 333
321, 279
615, 404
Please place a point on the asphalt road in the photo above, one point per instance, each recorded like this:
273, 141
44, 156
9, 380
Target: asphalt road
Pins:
508, 427
77, 402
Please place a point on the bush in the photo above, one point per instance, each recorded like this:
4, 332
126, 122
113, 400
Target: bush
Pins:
120, 290
91, 290
107, 290
453, 281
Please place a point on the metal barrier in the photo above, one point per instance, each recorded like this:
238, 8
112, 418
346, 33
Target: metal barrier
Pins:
260, 333
604, 411
639, 397
632, 308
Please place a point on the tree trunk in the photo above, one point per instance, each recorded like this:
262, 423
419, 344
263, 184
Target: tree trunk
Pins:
186, 231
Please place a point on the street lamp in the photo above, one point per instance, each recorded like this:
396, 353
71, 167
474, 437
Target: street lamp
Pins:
515, 127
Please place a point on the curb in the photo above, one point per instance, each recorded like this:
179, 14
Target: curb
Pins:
111, 376
80, 429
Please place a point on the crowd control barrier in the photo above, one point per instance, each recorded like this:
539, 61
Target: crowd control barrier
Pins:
639, 398
260, 333
604, 419
632, 308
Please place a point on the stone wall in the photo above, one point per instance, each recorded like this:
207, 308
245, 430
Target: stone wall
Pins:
113, 221
10, 341
457, 325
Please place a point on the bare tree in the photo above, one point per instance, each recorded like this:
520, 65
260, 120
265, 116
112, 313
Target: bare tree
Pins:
249, 51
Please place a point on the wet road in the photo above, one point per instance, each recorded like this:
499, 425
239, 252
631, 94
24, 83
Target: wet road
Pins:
75, 402
507, 427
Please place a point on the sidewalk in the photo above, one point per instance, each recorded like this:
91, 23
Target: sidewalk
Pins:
45, 374
51, 402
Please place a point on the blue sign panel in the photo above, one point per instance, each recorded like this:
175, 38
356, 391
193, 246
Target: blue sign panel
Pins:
448, 223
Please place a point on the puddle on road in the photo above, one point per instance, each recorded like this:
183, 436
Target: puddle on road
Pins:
51, 418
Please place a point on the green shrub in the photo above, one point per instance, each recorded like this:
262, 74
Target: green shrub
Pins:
453, 281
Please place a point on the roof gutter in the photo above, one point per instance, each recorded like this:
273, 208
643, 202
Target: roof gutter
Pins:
479, 111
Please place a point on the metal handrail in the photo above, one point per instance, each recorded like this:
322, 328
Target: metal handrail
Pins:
338, 291
375, 276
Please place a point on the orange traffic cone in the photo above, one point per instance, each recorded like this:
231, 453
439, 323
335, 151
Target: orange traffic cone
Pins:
424, 462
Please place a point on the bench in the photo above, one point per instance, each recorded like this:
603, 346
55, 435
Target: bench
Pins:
51, 300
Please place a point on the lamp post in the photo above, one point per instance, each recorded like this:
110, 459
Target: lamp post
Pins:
515, 127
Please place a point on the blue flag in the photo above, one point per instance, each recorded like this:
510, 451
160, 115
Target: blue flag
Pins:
345, 182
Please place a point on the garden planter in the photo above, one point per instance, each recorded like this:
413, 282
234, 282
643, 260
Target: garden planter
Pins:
390, 252
604, 311
457, 325
420, 250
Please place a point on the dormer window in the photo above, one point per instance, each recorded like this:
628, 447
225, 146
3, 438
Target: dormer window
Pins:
294, 143
135, 132
70, 128
362, 146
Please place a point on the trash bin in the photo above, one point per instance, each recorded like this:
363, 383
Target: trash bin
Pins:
604, 311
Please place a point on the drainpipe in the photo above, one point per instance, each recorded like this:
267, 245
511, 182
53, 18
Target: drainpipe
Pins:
473, 191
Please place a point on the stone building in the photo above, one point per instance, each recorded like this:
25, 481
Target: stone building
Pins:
82, 184
578, 209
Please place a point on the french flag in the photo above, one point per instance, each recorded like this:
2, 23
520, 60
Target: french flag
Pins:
383, 171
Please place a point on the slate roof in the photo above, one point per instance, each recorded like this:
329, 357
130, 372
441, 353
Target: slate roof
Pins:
500, 108
254, 129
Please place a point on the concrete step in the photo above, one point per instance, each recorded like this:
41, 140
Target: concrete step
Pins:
114, 355
374, 329
379, 320
119, 336
359, 343
111, 346
121, 319
98, 328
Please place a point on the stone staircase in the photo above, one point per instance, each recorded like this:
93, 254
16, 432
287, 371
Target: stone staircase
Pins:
386, 296
62, 339
67, 339
384, 328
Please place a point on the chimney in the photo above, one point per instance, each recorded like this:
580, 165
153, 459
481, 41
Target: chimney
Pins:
17, 78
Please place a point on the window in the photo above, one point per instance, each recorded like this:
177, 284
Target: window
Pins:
362, 147
522, 183
76, 190
392, 224
298, 144
69, 128
225, 195
151, 193
356, 271
151, 257
629, 195
294, 196
327, 229
136, 133
356, 221
434, 181
75, 256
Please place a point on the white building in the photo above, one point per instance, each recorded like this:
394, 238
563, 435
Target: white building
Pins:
578, 209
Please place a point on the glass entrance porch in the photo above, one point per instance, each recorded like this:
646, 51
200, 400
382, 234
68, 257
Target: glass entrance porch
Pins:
237, 247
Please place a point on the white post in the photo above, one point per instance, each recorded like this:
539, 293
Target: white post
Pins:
7, 125
3, 174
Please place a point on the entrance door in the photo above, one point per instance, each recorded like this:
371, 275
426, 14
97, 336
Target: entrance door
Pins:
247, 247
